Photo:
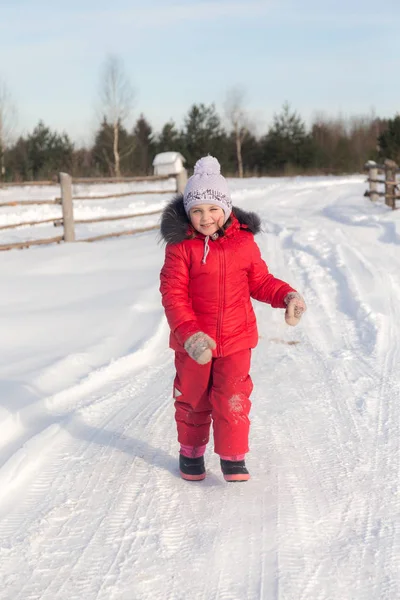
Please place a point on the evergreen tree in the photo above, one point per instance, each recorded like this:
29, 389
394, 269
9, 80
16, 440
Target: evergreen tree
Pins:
287, 143
144, 147
47, 152
389, 140
203, 134
169, 139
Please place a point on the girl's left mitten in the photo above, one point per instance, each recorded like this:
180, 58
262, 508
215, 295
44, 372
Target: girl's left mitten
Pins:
295, 307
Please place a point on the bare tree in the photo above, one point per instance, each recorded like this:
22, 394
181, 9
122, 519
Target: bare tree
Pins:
117, 100
346, 142
8, 117
236, 115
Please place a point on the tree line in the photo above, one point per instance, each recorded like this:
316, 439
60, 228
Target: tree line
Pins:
327, 146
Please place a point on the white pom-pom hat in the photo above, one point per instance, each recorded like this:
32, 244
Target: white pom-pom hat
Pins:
207, 186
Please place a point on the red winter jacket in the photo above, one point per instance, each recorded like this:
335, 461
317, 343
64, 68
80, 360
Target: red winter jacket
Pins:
215, 297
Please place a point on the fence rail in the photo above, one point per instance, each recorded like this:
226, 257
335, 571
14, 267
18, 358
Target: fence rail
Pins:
92, 180
27, 244
29, 202
28, 183
67, 199
121, 195
26, 224
59, 223
391, 185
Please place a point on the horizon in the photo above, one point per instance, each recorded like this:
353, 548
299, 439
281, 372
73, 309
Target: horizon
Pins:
318, 59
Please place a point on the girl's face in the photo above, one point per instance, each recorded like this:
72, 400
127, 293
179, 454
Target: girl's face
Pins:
207, 218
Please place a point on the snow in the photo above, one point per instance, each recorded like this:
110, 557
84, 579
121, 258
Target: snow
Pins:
91, 504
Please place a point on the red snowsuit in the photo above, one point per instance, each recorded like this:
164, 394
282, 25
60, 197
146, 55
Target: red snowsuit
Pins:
214, 297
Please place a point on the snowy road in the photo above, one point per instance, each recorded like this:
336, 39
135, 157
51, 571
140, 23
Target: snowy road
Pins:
91, 505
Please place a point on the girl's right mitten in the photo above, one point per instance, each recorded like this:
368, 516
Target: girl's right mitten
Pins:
199, 346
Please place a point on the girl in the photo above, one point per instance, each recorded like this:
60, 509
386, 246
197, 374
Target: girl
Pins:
212, 268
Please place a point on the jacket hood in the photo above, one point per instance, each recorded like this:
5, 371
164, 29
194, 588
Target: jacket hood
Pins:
176, 227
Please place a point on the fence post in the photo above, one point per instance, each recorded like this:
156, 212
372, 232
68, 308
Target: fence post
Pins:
373, 180
390, 183
67, 207
181, 181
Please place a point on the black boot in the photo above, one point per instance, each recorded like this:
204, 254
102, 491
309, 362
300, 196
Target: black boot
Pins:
234, 470
192, 469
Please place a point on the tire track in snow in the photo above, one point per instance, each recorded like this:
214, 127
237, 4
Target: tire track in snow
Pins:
168, 540
370, 364
61, 407
385, 449
47, 483
301, 470
88, 493
307, 266
384, 419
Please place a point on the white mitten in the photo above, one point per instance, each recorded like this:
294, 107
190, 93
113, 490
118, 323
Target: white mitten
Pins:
295, 306
199, 346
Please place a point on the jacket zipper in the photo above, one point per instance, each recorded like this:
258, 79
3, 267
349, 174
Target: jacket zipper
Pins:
221, 297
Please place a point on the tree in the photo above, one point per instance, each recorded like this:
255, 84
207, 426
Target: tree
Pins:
82, 163
42, 155
18, 161
344, 145
203, 134
169, 138
235, 113
143, 147
287, 142
326, 135
389, 140
7, 123
103, 149
117, 100
48, 152
252, 163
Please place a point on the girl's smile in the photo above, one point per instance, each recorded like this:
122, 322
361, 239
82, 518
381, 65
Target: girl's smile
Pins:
207, 218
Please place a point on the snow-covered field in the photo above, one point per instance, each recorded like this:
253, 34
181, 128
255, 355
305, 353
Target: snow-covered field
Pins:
91, 505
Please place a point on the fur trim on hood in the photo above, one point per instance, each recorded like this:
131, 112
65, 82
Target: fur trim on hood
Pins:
175, 225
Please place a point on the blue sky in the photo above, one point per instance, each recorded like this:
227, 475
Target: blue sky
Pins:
321, 56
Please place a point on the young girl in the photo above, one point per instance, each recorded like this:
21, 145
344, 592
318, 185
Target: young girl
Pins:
212, 268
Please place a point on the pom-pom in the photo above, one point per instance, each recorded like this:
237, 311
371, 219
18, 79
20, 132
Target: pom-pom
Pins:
208, 165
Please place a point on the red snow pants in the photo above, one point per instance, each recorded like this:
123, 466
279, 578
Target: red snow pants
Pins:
219, 392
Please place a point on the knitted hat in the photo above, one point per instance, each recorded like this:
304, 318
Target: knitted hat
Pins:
207, 186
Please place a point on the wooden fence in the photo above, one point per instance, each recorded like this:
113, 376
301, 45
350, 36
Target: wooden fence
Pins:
389, 169
66, 201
